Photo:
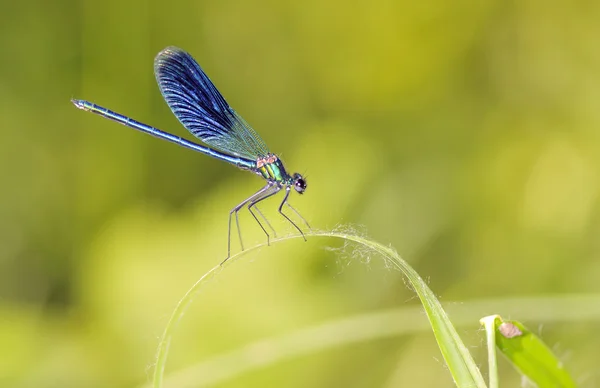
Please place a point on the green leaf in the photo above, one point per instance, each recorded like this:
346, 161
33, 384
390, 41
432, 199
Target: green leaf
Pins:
526, 352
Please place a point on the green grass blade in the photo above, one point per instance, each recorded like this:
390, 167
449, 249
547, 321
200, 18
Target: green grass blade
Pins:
527, 353
489, 323
374, 326
461, 365
458, 359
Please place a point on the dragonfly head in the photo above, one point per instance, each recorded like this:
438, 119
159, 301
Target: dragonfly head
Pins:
299, 183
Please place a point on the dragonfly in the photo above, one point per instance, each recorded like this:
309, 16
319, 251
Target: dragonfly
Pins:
203, 111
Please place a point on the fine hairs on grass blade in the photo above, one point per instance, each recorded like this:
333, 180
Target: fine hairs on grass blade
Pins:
461, 365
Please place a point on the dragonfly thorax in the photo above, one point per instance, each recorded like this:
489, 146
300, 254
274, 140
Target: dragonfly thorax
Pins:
271, 168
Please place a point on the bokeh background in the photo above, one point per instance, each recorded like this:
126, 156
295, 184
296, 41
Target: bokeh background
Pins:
465, 134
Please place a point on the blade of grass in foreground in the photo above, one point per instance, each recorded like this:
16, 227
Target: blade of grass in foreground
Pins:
460, 363
371, 326
525, 351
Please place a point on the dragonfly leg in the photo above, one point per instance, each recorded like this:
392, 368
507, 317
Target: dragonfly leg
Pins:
255, 202
260, 213
287, 194
235, 211
299, 215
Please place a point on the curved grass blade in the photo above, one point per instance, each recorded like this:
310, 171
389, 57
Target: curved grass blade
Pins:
369, 327
459, 361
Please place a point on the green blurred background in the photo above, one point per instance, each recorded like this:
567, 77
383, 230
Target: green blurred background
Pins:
465, 134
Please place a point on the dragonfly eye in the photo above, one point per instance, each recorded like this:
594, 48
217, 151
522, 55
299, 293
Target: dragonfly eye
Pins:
299, 183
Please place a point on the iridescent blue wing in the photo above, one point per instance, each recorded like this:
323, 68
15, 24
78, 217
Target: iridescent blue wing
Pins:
200, 107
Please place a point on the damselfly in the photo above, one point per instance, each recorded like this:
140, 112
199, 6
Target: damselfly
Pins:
201, 109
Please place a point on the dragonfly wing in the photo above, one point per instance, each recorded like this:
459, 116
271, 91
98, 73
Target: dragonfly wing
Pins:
200, 107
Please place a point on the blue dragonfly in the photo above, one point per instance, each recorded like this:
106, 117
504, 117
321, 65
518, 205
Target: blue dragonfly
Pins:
203, 111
